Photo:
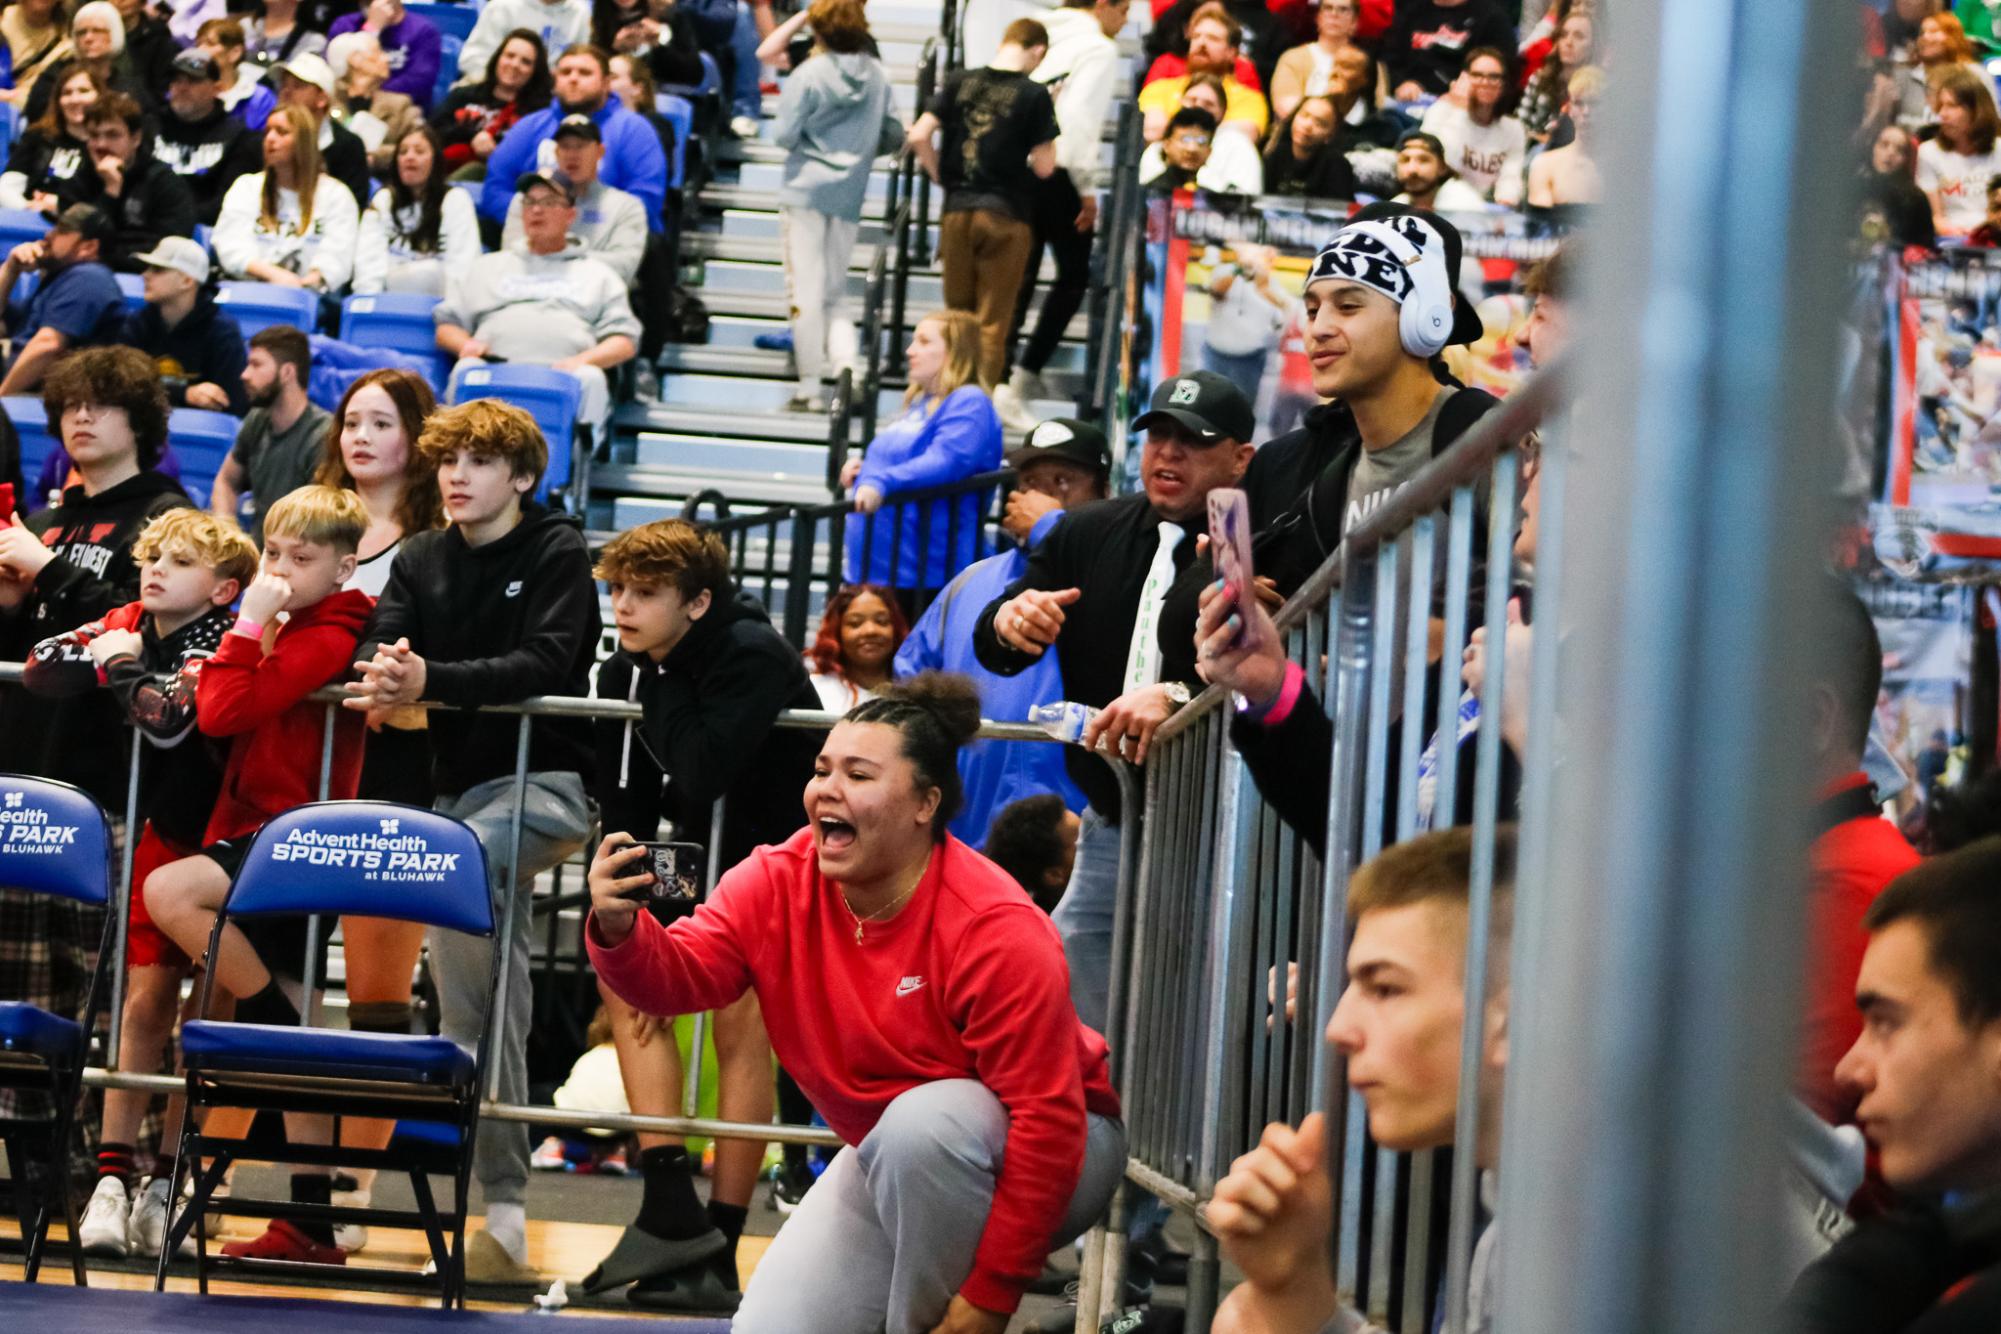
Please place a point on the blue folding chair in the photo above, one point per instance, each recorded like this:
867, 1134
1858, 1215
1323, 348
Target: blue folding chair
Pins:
133, 285
399, 321
201, 440
261, 305
369, 859
54, 839
552, 397
21, 224
31, 425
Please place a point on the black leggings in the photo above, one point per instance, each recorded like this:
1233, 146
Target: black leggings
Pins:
1054, 217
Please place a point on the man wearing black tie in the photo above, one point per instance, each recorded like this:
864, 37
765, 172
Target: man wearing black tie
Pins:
1098, 582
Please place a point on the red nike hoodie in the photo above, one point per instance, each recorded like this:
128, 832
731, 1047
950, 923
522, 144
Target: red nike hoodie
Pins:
260, 698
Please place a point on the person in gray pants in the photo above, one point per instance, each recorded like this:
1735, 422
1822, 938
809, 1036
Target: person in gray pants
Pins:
495, 609
920, 999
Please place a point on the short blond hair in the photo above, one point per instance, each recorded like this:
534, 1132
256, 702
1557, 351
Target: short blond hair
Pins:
203, 539
326, 515
486, 426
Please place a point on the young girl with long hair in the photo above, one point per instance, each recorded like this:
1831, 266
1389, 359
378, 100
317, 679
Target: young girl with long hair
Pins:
371, 450
50, 165
1954, 168
474, 116
418, 233
290, 224
855, 650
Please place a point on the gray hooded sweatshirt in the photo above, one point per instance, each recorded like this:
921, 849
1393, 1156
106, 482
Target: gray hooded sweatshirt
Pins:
539, 308
834, 117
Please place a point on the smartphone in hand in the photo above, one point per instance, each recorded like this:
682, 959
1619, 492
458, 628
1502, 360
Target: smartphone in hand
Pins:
1230, 548
677, 873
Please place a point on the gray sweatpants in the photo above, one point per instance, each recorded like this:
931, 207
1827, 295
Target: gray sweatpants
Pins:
555, 822
887, 1234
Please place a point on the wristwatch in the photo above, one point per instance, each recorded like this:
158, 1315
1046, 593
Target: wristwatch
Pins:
1177, 693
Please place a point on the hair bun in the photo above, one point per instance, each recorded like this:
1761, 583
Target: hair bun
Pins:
949, 697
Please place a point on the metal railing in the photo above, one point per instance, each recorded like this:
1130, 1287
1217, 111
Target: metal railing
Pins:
1228, 897
111, 1075
1115, 321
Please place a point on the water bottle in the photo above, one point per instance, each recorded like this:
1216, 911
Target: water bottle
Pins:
1064, 719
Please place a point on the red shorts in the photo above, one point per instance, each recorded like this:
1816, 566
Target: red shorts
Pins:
146, 946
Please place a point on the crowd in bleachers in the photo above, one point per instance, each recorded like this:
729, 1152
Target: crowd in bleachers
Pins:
386, 209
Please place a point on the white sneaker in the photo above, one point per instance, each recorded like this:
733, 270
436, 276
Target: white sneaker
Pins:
106, 1220
1012, 410
147, 1231
351, 1237
744, 127
549, 1156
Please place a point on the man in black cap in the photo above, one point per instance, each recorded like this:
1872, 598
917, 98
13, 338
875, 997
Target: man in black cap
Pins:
1062, 464
77, 305
142, 196
611, 224
199, 139
1098, 582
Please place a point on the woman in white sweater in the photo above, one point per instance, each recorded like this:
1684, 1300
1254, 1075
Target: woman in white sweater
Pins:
418, 233
291, 223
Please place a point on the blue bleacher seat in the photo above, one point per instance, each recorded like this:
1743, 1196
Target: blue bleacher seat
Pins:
415, 865
450, 20
31, 424
58, 842
449, 47
10, 126
550, 396
399, 321
260, 305
201, 441
18, 225
133, 285
204, 236
680, 113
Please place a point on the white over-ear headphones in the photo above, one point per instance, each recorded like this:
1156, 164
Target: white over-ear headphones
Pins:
1425, 323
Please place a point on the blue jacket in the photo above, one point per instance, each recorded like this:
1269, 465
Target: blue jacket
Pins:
995, 773
960, 438
633, 159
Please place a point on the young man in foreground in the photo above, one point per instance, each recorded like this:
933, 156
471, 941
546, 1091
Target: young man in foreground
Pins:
1398, 1027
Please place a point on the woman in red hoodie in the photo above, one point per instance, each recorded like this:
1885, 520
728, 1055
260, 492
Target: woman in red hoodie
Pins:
921, 1000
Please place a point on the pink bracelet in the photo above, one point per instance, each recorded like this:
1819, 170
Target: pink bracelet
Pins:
245, 626
1280, 708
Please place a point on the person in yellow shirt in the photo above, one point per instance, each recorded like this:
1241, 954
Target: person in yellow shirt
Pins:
1213, 39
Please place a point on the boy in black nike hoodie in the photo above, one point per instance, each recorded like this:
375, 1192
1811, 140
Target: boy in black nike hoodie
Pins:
496, 608
710, 674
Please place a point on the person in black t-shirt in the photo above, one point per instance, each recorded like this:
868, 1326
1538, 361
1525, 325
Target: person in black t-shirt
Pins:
996, 138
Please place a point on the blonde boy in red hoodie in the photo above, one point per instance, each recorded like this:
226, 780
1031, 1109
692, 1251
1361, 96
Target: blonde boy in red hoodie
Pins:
295, 632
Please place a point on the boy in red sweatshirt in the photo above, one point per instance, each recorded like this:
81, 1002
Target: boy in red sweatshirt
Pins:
255, 689
191, 568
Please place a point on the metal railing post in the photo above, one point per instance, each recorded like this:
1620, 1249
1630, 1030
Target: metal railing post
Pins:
310, 974
496, 1019
123, 908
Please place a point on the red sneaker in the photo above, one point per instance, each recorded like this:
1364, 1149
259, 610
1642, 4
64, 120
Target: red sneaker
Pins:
284, 1241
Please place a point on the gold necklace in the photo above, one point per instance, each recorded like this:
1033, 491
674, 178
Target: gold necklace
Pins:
878, 914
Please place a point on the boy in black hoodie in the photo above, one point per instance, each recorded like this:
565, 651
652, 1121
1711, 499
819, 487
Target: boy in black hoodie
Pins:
143, 197
710, 673
59, 569
65, 566
492, 610
192, 566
